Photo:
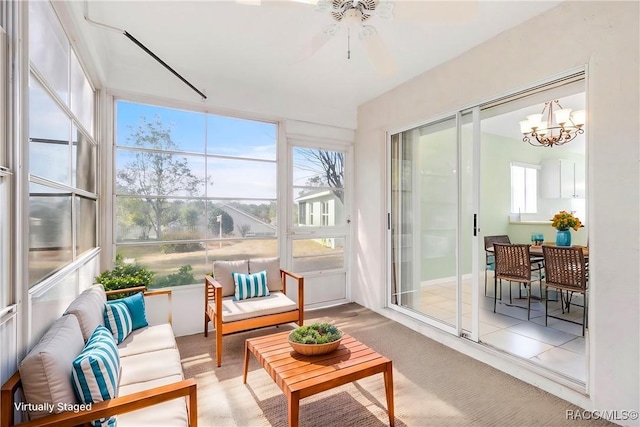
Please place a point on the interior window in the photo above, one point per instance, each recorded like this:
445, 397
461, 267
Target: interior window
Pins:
524, 188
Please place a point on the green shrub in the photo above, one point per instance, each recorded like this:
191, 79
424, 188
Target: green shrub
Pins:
125, 275
316, 333
184, 276
174, 248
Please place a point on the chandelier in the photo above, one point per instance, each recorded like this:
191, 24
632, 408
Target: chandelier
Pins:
546, 133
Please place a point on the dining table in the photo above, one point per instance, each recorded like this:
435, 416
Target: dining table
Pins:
536, 250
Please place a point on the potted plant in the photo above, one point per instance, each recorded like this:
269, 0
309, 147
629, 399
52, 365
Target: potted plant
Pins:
125, 275
315, 339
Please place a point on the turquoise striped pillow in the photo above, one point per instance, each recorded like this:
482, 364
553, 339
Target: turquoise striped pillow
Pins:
117, 318
95, 371
250, 285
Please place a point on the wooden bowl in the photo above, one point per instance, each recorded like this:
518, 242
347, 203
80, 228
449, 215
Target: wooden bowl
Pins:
314, 349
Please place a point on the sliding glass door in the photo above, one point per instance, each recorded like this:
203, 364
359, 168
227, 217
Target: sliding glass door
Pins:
431, 223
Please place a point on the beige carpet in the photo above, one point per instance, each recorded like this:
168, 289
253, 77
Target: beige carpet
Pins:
433, 384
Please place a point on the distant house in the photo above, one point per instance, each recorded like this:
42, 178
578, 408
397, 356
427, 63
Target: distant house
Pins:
252, 225
321, 208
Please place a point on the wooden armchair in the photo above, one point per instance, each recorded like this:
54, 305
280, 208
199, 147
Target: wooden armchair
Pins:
230, 315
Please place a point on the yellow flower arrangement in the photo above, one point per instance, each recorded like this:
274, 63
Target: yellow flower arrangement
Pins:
563, 220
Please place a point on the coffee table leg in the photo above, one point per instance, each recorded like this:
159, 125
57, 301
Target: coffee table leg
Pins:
293, 400
246, 362
388, 386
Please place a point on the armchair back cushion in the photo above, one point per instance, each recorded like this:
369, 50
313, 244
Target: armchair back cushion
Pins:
46, 370
222, 272
272, 266
88, 307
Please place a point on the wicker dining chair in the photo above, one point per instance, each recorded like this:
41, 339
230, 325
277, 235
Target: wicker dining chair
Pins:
537, 263
566, 270
512, 263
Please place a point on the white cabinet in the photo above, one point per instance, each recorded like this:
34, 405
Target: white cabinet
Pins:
562, 179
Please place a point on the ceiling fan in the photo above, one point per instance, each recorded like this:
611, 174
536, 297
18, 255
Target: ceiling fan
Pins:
353, 16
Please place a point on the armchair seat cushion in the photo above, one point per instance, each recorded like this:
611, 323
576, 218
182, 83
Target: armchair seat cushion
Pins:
275, 303
145, 340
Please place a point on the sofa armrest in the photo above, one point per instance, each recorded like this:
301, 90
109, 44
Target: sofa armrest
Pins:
300, 281
119, 405
6, 397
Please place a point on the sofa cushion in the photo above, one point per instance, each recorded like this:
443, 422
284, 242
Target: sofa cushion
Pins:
222, 273
144, 340
118, 320
95, 372
275, 303
88, 307
250, 285
150, 366
170, 413
272, 265
46, 370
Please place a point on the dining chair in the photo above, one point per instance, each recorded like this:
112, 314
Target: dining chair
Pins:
566, 270
513, 263
537, 263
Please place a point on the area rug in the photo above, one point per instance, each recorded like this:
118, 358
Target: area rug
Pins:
433, 384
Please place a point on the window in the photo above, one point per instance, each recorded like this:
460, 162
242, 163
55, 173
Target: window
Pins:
302, 212
62, 150
324, 213
311, 216
192, 188
524, 188
5, 185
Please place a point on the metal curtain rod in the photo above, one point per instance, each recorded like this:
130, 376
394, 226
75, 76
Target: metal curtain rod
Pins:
141, 46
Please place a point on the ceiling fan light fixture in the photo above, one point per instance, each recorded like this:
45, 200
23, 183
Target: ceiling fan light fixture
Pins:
352, 19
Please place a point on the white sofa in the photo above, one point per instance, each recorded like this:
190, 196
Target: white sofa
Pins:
151, 388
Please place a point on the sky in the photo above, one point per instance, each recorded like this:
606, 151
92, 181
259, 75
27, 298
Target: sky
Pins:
249, 173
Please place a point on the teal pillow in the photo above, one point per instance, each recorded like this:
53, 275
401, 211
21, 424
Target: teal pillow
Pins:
135, 304
94, 373
250, 285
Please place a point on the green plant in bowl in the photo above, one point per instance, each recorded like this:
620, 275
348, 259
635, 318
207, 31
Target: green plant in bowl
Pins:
315, 339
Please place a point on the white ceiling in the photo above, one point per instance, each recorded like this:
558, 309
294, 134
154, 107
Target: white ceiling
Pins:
244, 57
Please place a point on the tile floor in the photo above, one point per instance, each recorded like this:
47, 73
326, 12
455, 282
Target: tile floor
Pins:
558, 346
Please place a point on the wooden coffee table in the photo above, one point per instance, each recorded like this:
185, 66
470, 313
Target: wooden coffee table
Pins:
301, 376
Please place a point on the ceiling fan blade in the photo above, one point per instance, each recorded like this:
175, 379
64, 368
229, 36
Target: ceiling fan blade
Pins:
379, 54
435, 11
316, 42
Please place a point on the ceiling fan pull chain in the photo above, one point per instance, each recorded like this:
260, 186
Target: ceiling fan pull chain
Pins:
349, 43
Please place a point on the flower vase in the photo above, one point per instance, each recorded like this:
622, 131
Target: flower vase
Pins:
563, 238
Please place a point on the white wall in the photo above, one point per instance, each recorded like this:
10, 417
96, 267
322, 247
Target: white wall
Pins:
603, 35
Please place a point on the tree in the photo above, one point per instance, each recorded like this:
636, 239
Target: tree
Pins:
151, 174
214, 225
244, 229
189, 217
327, 167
